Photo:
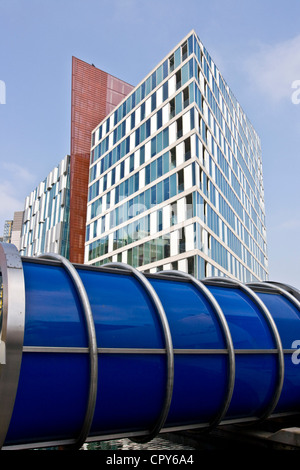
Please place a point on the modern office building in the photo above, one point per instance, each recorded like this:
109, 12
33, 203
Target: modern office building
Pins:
175, 178
47, 214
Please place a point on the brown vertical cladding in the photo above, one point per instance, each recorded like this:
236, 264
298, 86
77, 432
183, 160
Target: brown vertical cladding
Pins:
94, 95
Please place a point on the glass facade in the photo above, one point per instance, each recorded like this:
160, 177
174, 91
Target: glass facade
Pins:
175, 176
46, 214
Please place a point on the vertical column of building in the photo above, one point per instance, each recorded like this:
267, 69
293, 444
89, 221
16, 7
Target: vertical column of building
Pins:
94, 94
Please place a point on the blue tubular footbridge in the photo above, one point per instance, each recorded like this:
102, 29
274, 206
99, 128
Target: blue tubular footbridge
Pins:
97, 353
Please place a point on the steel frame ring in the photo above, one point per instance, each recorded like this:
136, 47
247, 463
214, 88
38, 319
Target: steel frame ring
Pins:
277, 287
227, 336
168, 346
93, 352
276, 337
293, 291
11, 332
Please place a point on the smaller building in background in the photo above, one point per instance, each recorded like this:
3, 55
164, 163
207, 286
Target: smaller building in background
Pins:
17, 229
7, 231
46, 214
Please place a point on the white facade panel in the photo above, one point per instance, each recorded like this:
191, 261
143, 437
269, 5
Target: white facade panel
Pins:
188, 178
159, 96
186, 123
180, 154
174, 240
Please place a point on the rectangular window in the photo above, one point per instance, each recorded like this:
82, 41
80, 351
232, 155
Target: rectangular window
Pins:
171, 63
103, 224
166, 189
153, 101
131, 162
137, 137
179, 127
165, 69
189, 206
187, 149
147, 175
166, 240
159, 143
178, 79
108, 200
182, 240
180, 181
159, 167
136, 182
184, 51
141, 255
138, 95
165, 137
173, 220
186, 97
159, 220
153, 250
173, 158
148, 85
165, 91
142, 111
173, 185
159, 249
185, 74
192, 119
87, 235
142, 155
153, 195
148, 128
172, 108
159, 75
159, 119
147, 253
178, 103
143, 132
175, 265
191, 265
159, 192
94, 190
153, 146
135, 257
143, 89
117, 197
177, 57
147, 199
132, 120
153, 80
166, 165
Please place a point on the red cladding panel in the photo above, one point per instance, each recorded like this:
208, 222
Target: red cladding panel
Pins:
94, 95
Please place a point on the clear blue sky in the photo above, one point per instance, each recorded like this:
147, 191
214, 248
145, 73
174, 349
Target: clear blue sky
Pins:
255, 43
